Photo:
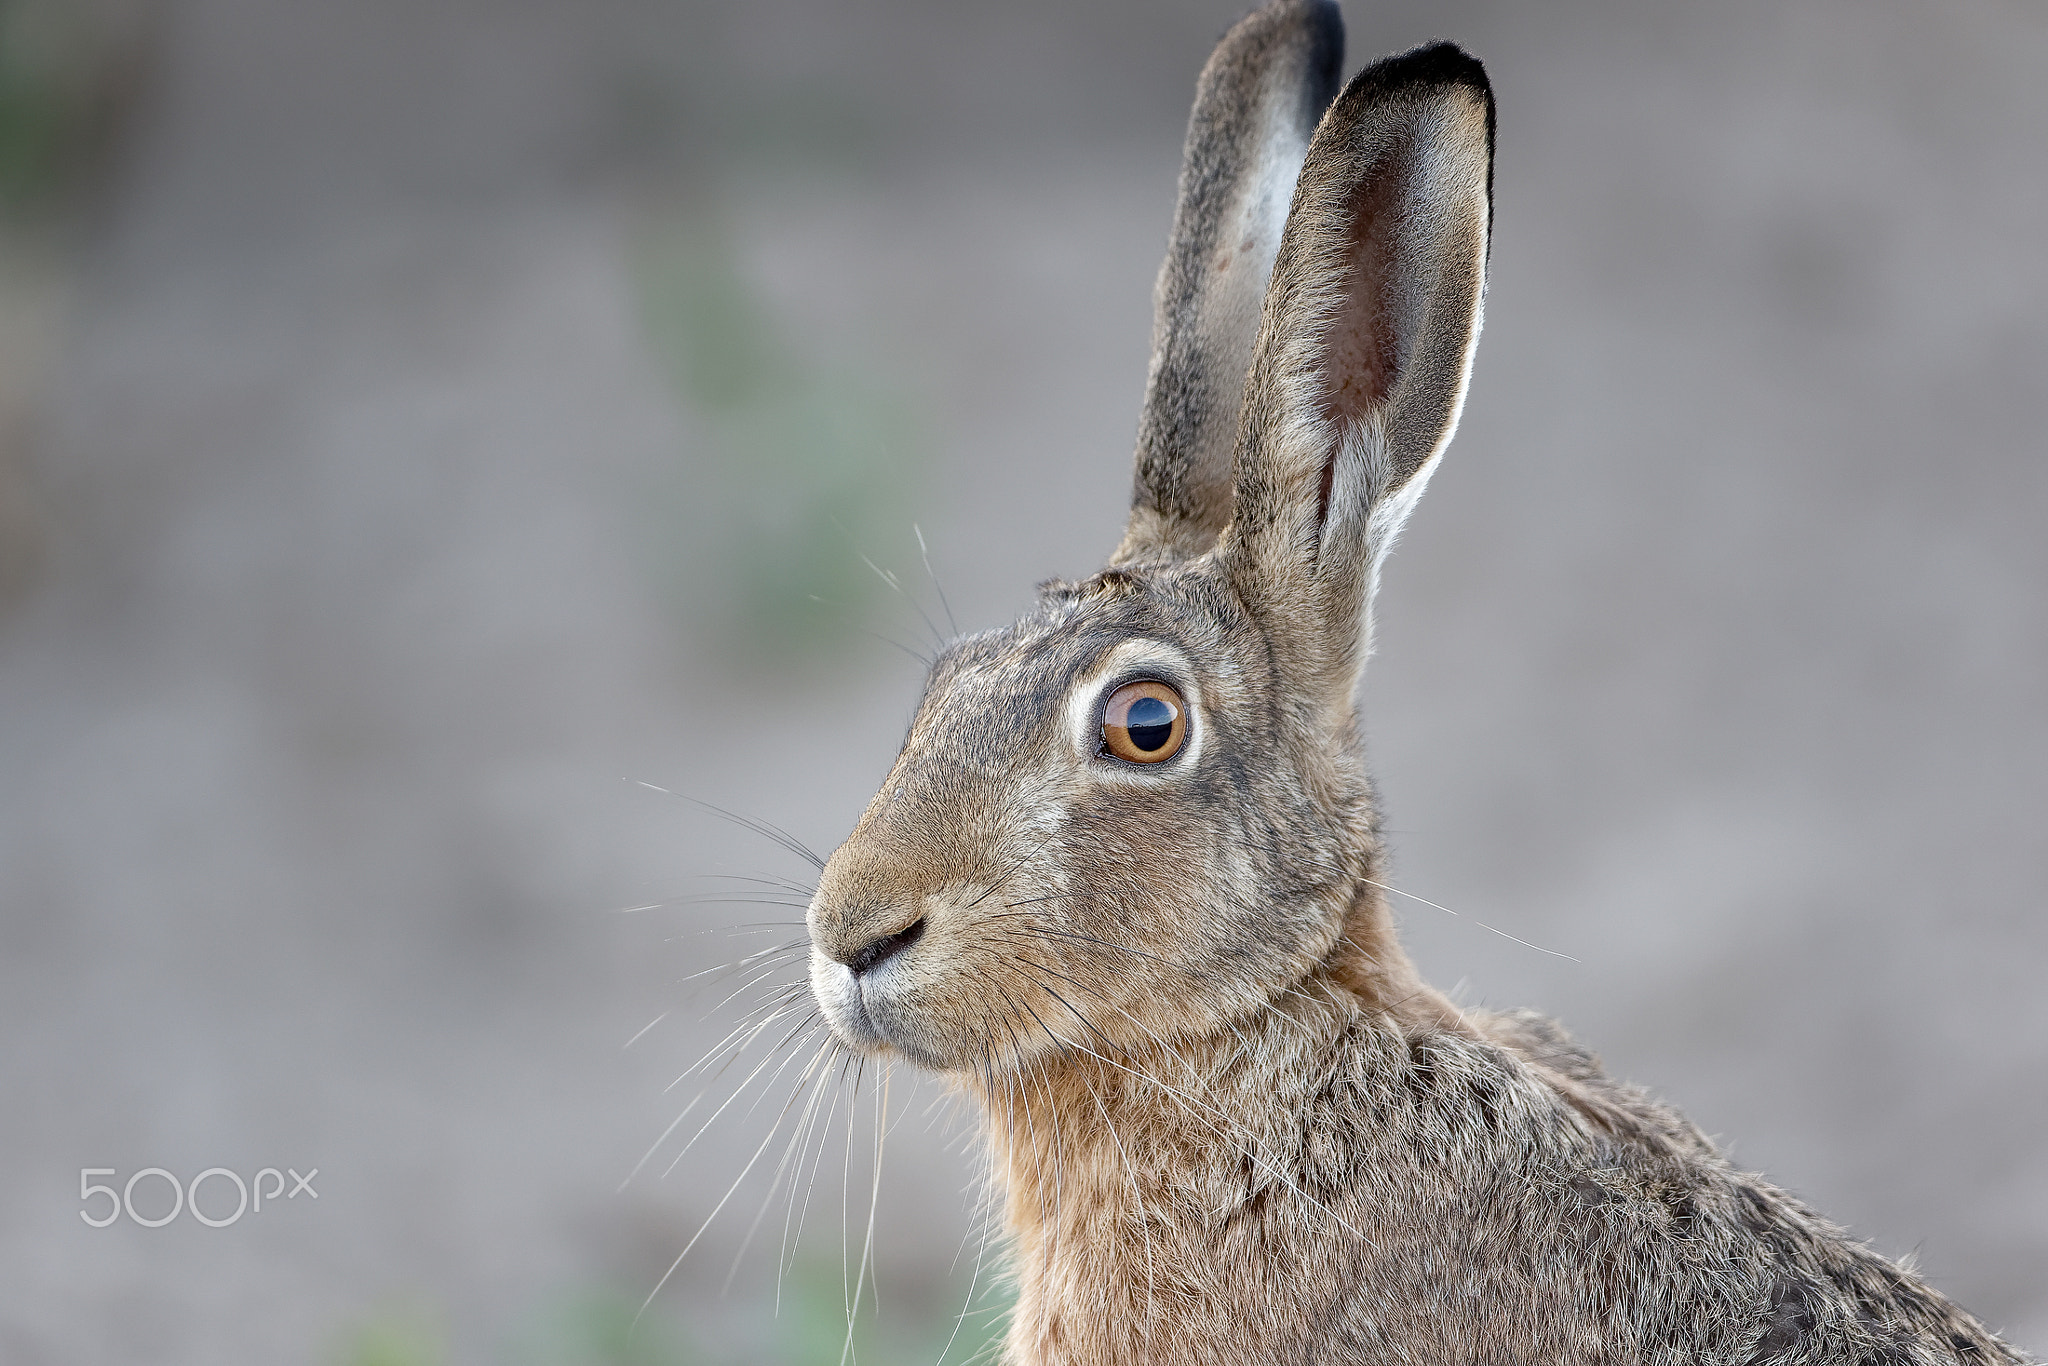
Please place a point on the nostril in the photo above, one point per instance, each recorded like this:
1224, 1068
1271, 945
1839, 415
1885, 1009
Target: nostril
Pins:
877, 951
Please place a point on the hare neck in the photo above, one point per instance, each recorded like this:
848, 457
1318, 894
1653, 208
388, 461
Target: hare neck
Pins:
1368, 966
1120, 1176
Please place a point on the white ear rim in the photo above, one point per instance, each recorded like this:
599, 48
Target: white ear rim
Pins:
1365, 356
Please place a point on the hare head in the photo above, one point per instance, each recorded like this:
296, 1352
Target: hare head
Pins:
1140, 813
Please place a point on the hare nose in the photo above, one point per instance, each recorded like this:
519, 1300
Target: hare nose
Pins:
878, 951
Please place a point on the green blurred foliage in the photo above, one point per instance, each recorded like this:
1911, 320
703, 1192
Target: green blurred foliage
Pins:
601, 1329
398, 1337
800, 467
68, 71
802, 1325
811, 1322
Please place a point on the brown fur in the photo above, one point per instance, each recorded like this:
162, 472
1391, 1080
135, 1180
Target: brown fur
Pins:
1228, 1121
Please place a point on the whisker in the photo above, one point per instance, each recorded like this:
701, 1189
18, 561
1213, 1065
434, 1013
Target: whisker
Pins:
803, 1029
817, 1163
897, 584
764, 880
1016, 1045
741, 965
1188, 1101
738, 1091
924, 552
719, 899
774, 1178
874, 1205
973, 1280
643, 1030
1048, 933
763, 975
710, 1218
1058, 1145
918, 655
845, 1184
1251, 1142
1085, 1021
1138, 1200
805, 1126
1105, 943
1024, 1094
744, 929
1013, 870
1554, 953
774, 834
673, 1125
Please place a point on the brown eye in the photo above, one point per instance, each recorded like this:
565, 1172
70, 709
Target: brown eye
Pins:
1144, 722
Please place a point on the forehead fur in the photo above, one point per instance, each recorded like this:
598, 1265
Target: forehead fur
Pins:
1032, 662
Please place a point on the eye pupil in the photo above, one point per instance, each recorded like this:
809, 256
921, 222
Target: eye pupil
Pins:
1150, 723
1144, 722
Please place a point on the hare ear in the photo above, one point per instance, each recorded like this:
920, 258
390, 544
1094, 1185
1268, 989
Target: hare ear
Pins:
1256, 106
1363, 355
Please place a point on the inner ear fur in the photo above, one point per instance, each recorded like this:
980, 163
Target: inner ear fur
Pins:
1364, 350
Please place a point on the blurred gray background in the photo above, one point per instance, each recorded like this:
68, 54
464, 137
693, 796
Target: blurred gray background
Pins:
424, 422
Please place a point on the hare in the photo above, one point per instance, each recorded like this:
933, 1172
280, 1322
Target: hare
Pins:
1123, 884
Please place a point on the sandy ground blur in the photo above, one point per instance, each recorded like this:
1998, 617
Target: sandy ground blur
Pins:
357, 615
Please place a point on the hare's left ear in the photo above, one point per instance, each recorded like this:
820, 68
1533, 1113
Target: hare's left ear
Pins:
1256, 105
1363, 355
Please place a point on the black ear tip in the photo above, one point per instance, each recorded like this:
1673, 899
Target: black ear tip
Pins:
1322, 21
1325, 21
1431, 67
1326, 15
1432, 64
1328, 18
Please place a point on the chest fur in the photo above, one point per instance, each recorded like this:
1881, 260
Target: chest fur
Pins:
1429, 1192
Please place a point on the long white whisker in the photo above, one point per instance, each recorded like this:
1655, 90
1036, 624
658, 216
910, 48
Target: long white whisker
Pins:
804, 1028
846, 1182
738, 1091
730, 1191
793, 1241
867, 1246
925, 553
1138, 1197
763, 975
803, 1081
719, 1049
643, 1030
740, 965
988, 1214
773, 834
765, 880
1023, 1093
1554, 953
806, 1127
673, 1125
745, 1032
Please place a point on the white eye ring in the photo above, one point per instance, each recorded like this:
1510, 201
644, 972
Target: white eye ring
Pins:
1141, 659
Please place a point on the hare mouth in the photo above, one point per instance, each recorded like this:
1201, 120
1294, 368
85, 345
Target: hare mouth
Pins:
866, 1017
